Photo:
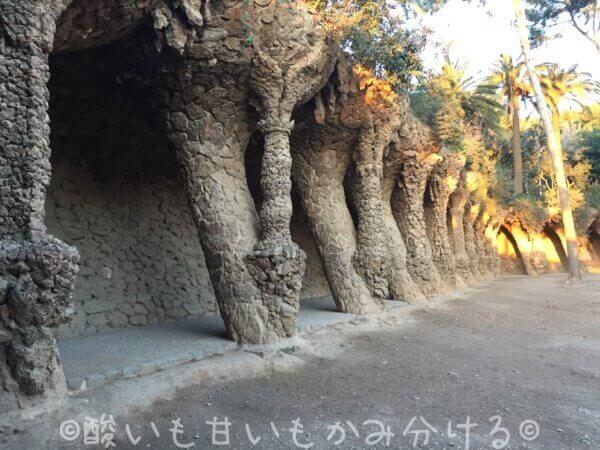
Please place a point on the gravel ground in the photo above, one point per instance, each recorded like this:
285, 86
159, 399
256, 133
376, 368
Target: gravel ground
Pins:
518, 357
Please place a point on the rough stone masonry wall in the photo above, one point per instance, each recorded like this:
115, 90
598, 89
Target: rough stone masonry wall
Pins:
141, 261
116, 195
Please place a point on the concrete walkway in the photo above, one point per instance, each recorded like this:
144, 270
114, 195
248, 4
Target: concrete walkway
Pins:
95, 360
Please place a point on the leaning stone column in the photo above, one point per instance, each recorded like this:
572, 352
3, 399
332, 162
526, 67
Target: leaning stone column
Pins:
471, 212
492, 228
322, 154
36, 270
456, 229
209, 139
402, 285
408, 209
480, 242
410, 135
369, 257
523, 236
203, 85
442, 183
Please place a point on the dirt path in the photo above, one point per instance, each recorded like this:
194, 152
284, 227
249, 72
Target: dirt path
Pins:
520, 348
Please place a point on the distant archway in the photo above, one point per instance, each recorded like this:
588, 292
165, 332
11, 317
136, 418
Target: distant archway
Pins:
552, 234
508, 250
593, 235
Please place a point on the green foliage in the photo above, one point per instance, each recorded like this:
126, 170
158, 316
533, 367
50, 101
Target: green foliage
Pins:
545, 14
424, 105
558, 84
453, 103
373, 33
588, 144
390, 51
502, 187
592, 196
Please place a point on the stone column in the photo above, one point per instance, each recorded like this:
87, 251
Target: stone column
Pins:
480, 241
369, 257
442, 183
492, 227
36, 270
471, 212
408, 207
281, 81
402, 286
456, 229
209, 134
277, 263
322, 150
523, 236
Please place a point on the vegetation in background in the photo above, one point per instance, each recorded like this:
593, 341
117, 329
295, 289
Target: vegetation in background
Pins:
582, 15
508, 78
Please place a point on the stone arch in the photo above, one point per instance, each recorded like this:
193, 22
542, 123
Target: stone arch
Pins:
593, 245
557, 245
117, 193
510, 254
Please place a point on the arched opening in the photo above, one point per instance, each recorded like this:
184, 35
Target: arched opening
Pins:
593, 235
116, 194
557, 251
508, 250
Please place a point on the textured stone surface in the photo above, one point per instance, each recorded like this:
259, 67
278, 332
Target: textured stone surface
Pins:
471, 213
408, 207
36, 270
442, 182
175, 147
456, 228
323, 144
117, 195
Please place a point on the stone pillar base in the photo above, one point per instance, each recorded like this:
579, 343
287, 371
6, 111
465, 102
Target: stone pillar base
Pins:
36, 280
278, 269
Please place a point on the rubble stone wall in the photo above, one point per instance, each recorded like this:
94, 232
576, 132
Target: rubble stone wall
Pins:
141, 261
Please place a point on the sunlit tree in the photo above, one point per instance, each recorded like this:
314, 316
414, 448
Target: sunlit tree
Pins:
560, 84
553, 144
509, 78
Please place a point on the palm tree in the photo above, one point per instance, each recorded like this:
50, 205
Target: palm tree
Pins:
552, 140
509, 79
479, 101
560, 84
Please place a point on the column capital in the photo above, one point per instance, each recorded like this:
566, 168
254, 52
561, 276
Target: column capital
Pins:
276, 124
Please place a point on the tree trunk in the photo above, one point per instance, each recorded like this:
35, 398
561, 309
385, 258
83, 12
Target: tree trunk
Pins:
517, 156
554, 147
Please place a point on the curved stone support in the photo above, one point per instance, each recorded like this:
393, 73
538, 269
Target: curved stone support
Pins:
480, 242
282, 81
401, 284
408, 208
322, 154
209, 139
456, 229
491, 251
471, 213
410, 134
36, 270
523, 236
369, 258
204, 86
441, 184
